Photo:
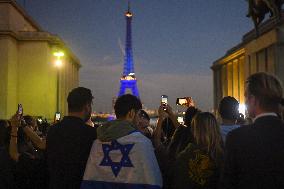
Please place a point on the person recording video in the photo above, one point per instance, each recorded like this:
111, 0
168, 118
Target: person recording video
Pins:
142, 121
25, 150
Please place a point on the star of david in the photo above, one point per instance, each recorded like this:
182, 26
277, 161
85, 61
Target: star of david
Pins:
125, 160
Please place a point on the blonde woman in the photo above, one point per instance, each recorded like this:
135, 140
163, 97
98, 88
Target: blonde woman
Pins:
198, 166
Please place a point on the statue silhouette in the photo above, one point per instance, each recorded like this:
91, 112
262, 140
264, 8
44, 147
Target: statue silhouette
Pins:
257, 9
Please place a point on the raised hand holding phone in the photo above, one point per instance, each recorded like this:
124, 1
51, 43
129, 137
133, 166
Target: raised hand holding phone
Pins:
15, 121
57, 116
185, 101
20, 110
190, 102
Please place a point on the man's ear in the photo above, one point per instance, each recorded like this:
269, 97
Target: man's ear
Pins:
131, 114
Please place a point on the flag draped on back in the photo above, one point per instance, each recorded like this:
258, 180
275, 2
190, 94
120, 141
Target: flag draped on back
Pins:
128, 162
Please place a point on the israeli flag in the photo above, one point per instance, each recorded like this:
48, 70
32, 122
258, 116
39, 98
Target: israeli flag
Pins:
128, 162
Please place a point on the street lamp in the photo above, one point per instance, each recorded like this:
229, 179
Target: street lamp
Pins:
58, 65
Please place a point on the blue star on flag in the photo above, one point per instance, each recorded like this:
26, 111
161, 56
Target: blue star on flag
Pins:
125, 160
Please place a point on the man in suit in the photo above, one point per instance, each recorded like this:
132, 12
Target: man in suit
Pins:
254, 154
69, 142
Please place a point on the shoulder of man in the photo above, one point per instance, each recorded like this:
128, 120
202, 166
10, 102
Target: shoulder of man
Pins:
236, 137
92, 131
138, 138
52, 130
241, 129
136, 148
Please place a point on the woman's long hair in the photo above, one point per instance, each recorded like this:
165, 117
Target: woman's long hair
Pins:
206, 134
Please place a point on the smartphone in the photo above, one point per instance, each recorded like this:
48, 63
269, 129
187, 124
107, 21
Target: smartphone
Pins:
164, 101
57, 116
180, 120
39, 120
185, 101
181, 101
20, 109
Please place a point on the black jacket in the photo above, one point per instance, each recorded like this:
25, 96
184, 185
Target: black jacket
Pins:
195, 169
7, 169
68, 147
254, 155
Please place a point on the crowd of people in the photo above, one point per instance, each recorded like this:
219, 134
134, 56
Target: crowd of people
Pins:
129, 153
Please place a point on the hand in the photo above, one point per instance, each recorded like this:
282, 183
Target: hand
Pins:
189, 101
162, 113
15, 121
169, 110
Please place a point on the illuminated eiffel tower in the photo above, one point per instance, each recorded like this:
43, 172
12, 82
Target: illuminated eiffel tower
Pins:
128, 79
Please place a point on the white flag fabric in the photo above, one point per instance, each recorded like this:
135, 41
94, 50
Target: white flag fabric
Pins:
128, 162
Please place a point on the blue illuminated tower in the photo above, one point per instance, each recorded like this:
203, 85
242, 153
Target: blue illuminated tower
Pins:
128, 79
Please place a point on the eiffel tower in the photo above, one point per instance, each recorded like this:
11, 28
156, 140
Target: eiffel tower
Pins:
128, 79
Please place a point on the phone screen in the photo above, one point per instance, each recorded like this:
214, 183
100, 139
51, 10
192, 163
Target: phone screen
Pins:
20, 109
180, 120
164, 101
181, 101
185, 101
57, 116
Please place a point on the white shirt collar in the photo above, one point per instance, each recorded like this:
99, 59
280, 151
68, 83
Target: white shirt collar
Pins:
265, 114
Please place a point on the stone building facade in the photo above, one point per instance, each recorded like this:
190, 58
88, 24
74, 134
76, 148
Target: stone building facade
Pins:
263, 53
27, 66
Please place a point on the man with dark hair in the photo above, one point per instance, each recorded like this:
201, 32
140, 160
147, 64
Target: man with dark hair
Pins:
122, 157
229, 112
69, 141
125, 104
254, 153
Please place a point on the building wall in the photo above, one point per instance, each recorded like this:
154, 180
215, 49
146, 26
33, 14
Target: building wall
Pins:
17, 22
229, 77
27, 66
3, 74
279, 55
11, 19
8, 67
69, 79
29, 77
12, 76
37, 79
4, 12
262, 54
242, 77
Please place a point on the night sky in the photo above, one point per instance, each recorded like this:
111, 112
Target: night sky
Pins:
174, 43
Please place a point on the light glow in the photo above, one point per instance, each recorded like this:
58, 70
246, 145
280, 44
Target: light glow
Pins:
128, 14
180, 120
58, 63
128, 78
58, 54
242, 109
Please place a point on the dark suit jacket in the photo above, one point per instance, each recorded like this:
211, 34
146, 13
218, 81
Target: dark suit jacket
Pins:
68, 147
254, 156
7, 169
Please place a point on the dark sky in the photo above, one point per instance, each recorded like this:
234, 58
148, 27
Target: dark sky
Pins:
174, 43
